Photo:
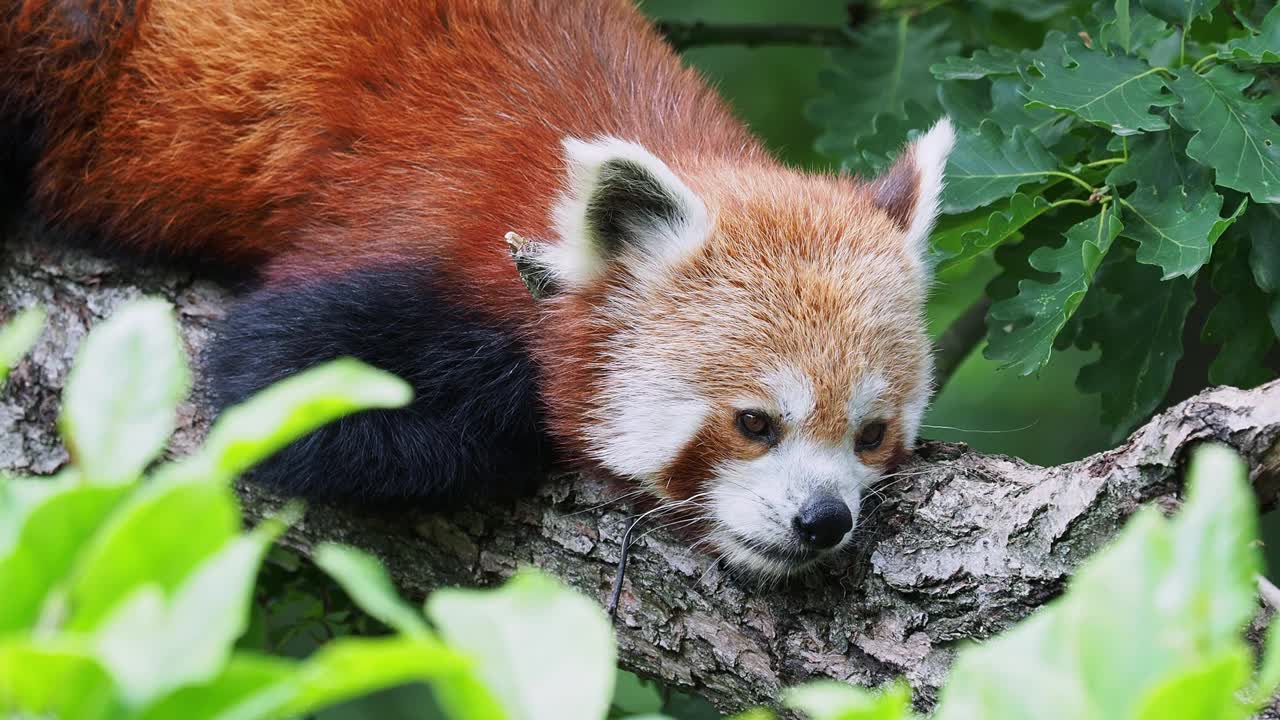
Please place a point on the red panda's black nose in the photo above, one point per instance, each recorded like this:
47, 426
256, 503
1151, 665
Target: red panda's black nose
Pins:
823, 521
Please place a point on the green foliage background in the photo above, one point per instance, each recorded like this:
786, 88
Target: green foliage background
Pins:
770, 87
851, 108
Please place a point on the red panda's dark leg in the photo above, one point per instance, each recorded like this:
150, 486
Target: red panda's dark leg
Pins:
474, 430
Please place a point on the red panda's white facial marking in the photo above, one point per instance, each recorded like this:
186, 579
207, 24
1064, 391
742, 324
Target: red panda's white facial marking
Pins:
759, 506
691, 300
646, 414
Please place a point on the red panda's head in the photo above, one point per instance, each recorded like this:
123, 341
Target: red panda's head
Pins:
741, 339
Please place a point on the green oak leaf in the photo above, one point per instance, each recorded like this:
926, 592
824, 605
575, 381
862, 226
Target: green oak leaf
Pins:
1000, 101
1117, 25
1239, 321
1169, 50
18, 336
367, 582
1054, 49
1264, 257
966, 104
1181, 12
1234, 134
1262, 46
1159, 161
1127, 26
1269, 672
1246, 17
40, 678
1075, 332
1262, 223
1022, 329
982, 64
243, 676
1033, 10
873, 150
1015, 260
46, 527
508, 631
1207, 692
1176, 233
1140, 336
887, 66
944, 241
833, 700
260, 687
134, 549
1114, 91
1009, 110
122, 394
157, 639
1215, 545
987, 165
954, 246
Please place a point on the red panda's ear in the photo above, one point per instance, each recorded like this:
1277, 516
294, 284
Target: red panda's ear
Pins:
621, 205
909, 190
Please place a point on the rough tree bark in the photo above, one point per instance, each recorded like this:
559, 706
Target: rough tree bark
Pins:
960, 546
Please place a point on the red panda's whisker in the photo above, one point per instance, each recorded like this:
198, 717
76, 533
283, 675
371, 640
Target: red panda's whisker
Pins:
897, 478
699, 544
674, 523
676, 520
905, 473
748, 488
671, 506
1026, 427
716, 562
618, 499
882, 491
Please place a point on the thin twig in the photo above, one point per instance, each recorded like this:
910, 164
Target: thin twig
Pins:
612, 607
1269, 592
959, 339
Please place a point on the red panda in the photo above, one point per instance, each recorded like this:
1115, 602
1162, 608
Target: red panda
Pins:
734, 336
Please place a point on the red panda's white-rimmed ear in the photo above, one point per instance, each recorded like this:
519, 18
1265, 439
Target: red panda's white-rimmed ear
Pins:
909, 190
621, 204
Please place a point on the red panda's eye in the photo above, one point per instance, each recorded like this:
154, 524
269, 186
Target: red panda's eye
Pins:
871, 436
755, 425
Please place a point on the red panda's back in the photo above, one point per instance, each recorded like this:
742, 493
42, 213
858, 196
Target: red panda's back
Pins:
348, 130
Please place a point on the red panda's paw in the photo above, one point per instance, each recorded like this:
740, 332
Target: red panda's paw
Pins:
472, 432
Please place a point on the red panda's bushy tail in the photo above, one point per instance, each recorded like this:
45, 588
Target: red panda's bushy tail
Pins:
474, 431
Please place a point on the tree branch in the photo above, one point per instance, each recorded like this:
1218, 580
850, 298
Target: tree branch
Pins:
959, 545
685, 35
959, 339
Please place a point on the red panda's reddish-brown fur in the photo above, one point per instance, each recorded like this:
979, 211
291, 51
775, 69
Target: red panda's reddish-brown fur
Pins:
366, 158
322, 136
